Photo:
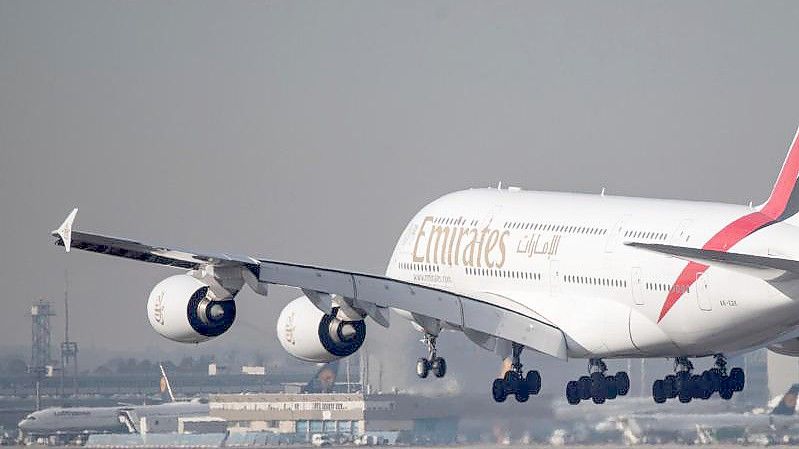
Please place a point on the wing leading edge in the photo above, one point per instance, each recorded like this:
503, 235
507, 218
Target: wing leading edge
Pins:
372, 293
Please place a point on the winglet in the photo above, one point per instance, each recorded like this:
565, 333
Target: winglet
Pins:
65, 230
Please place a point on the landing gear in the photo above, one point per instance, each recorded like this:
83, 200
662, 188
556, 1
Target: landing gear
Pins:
515, 382
597, 386
687, 386
433, 363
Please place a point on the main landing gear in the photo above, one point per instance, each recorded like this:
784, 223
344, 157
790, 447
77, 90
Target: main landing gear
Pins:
687, 386
597, 386
515, 382
433, 363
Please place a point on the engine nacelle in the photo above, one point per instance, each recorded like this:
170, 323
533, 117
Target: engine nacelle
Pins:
307, 333
182, 308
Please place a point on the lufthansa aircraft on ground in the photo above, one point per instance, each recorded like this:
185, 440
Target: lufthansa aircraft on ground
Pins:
563, 274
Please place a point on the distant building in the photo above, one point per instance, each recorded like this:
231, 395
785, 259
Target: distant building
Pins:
254, 370
344, 416
783, 371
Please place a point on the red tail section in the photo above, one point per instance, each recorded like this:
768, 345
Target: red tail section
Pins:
784, 200
783, 203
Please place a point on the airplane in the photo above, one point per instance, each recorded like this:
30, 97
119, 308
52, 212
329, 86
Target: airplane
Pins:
585, 276
777, 418
76, 421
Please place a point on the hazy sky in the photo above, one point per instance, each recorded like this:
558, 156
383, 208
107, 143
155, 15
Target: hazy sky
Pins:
312, 131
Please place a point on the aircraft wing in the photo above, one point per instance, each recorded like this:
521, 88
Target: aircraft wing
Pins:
323, 286
764, 267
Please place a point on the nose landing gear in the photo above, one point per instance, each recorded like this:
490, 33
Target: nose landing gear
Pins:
433, 363
597, 386
514, 382
687, 386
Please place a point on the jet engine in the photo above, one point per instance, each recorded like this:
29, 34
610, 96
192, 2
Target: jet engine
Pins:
184, 309
309, 334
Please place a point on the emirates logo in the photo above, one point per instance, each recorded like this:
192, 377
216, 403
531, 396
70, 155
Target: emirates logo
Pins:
289, 330
158, 309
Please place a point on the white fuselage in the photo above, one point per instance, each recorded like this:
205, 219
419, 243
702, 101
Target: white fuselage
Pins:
562, 257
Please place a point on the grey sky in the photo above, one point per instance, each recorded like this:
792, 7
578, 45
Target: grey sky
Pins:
312, 131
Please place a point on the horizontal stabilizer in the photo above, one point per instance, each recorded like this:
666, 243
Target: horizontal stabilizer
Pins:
767, 268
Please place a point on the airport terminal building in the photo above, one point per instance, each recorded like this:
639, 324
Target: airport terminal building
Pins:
344, 416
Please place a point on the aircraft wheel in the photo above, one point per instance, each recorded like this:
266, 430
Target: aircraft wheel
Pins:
623, 383
658, 392
573, 392
422, 367
611, 388
533, 381
439, 367
738, 379
498, 390
522, 393
725, 389
670, 387
585, 387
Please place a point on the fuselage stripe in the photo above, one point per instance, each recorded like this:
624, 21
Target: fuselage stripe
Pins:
780, 205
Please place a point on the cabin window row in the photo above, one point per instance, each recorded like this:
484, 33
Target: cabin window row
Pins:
588, 280
588, 230
510, 274
420, 267
656, 286
646, 235
451, 221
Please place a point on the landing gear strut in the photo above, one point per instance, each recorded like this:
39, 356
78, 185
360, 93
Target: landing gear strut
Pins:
687, 386
515, 382
433, 363
597, 386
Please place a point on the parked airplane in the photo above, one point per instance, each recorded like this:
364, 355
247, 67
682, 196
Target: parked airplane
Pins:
568, 275
76, 421
776, 420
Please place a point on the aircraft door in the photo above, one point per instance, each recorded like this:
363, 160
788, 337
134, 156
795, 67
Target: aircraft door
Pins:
637, 286
682, 235
554, 277
702, 296
615, 235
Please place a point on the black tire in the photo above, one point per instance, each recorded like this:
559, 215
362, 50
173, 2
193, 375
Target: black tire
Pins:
696, 386
598, 387
533, 380
725, 389
622, 383
498, 391
439, 367
670, 385
522, 393
585, 387
422, 367
611, 389
658, 392
715, 379
738, 379
598, 399
573, 392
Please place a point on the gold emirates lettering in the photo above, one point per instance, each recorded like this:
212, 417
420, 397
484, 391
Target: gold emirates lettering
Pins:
458, 245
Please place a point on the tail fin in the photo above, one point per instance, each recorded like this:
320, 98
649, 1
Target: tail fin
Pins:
784, 199
164, 384
787, 402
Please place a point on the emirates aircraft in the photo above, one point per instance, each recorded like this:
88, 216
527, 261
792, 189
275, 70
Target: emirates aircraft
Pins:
568, 275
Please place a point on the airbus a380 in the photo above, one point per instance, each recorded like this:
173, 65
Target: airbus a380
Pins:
568, 275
